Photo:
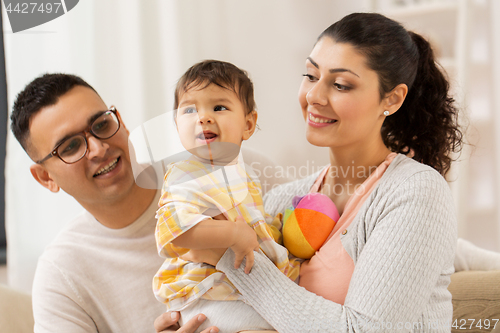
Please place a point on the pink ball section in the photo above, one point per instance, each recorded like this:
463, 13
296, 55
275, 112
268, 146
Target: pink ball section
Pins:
320, 203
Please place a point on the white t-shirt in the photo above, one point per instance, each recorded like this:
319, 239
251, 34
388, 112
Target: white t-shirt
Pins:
96, 279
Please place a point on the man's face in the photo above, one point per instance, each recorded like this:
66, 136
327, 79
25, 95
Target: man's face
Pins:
104, 175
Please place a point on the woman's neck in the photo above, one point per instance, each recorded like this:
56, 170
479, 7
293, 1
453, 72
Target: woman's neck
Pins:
348, 170
355, 165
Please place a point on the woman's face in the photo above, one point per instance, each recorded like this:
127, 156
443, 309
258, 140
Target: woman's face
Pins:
340, 99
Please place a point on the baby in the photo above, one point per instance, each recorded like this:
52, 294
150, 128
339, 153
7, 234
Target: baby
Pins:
203, 196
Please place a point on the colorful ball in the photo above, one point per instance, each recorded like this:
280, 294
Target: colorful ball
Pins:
308, 224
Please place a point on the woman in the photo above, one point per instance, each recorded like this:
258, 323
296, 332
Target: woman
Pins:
371, 93
371, 89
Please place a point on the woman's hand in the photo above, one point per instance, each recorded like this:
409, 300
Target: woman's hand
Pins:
244, 243
167, 322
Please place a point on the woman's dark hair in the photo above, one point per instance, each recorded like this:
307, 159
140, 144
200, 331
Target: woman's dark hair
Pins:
427, 122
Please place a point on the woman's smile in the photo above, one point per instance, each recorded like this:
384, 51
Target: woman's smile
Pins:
319, 121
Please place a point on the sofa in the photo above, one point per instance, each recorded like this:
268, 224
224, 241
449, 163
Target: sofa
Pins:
15, 311
476, 297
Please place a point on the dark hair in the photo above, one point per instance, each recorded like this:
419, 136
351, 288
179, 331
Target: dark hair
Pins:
427, 122
221, 73
41, 92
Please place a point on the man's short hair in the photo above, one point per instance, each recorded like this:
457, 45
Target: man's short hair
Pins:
221, 73
41, 92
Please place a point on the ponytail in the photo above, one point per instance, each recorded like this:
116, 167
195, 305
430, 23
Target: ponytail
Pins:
426, 125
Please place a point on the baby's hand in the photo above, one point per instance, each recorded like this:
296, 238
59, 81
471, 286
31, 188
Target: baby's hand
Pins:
244, 243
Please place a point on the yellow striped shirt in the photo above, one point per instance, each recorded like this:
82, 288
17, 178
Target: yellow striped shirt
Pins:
192, 192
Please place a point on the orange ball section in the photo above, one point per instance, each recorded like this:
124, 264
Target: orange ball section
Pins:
315, 226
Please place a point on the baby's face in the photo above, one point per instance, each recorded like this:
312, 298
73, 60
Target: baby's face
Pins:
210, 115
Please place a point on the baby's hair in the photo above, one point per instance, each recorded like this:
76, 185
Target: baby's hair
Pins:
221, 73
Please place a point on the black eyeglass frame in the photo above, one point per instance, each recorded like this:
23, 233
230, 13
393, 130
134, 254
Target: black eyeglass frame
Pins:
82, 133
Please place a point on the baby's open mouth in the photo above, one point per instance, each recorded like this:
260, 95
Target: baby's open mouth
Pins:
206, 136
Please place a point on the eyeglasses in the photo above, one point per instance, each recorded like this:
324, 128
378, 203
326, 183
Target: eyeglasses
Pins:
75, 147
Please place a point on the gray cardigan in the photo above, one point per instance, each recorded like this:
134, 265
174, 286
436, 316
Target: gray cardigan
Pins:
402, 242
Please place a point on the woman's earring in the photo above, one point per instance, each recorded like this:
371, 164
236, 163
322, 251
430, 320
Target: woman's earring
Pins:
386, 113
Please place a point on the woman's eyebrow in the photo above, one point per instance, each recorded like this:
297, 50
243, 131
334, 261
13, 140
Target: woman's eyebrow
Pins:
339, 70
333, 70
313, 62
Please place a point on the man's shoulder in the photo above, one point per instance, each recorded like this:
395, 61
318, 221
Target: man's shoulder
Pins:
60, 256
68, 237
82, 223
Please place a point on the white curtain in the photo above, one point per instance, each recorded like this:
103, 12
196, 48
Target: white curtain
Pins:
132, 52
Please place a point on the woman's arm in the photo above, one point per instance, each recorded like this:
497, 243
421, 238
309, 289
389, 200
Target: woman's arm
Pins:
285, 305
406, 257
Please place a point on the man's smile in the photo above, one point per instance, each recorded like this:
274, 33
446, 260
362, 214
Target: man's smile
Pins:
107, 168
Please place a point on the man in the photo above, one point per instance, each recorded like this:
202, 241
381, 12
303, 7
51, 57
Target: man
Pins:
96, 275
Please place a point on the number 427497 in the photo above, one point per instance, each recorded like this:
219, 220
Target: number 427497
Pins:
33, 7
467, 324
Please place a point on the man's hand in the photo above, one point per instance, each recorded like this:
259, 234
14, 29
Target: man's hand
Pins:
244, 243
167, 322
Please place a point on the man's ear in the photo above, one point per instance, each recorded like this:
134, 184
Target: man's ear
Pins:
42, 176
395, 98
251, 124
